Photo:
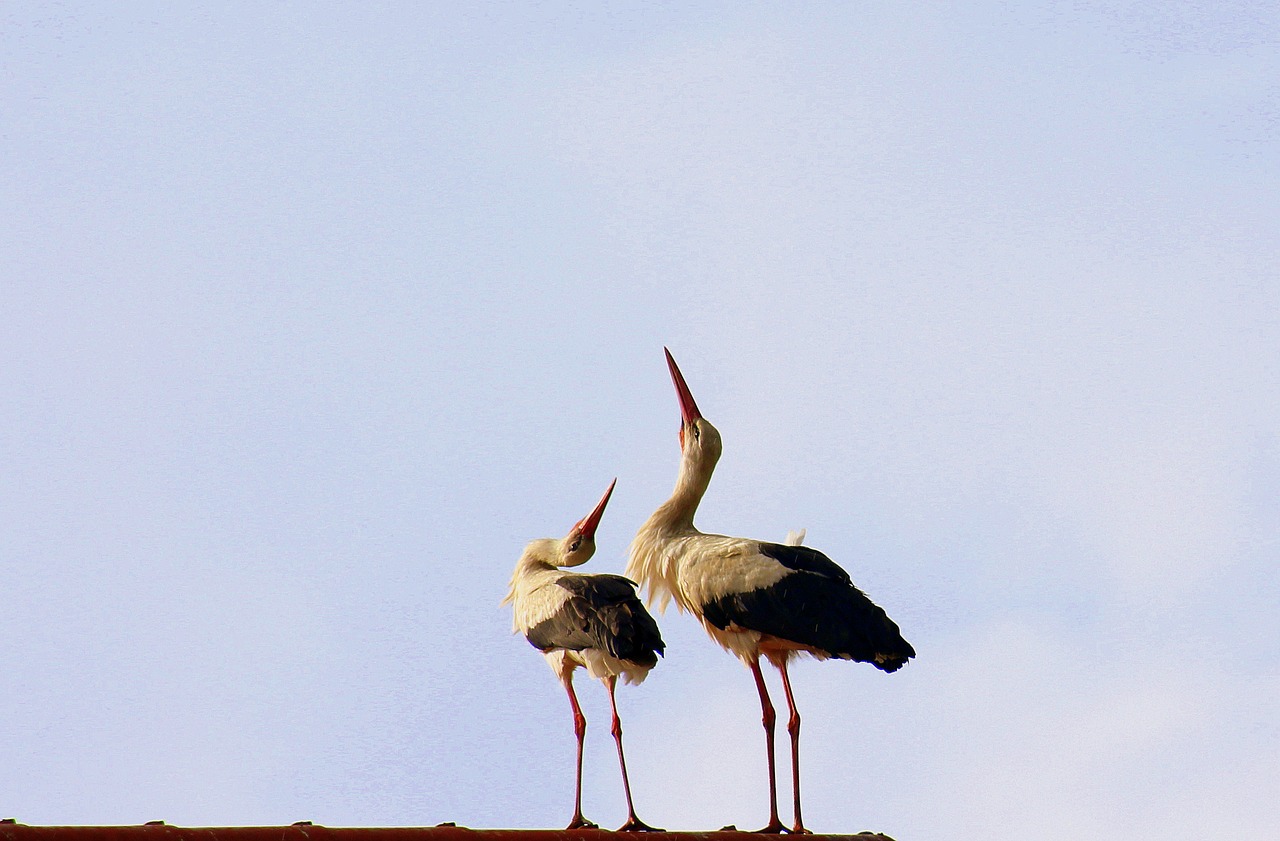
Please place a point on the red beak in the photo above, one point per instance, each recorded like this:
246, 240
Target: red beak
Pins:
688, 409
587, 525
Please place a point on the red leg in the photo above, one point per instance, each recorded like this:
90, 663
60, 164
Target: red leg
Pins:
579, 730
767, 719
793, 727
633, 824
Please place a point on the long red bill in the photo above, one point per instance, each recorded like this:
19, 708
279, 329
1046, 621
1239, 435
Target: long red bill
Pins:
688, 409
587, 525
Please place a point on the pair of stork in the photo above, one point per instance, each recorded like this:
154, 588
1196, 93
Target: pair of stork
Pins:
756, 599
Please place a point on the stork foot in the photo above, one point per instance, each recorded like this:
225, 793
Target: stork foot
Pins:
799, 830
637, 825
775, 827
580, 822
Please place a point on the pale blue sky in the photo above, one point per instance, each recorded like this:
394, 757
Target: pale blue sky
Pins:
312, 316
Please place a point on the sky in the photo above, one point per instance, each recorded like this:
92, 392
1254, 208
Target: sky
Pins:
312, 315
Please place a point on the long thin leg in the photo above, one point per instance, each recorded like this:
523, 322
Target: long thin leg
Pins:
579, 730
768, 717
633, 823
793, 727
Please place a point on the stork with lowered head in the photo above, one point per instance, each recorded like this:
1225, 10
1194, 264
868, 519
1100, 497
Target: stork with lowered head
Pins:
594, 622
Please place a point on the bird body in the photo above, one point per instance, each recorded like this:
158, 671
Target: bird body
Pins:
591, 621
755, 598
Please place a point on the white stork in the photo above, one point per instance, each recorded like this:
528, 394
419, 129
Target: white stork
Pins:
753, 597
593, 621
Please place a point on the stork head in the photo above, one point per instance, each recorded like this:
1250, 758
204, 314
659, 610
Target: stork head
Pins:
699, 440
580, 544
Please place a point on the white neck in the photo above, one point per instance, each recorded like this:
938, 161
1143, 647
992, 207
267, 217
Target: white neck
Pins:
650, 562
538, 556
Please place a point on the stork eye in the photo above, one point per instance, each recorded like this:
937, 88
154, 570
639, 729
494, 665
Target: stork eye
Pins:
697, 433
573, 547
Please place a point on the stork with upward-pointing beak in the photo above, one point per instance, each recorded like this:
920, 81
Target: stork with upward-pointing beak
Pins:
592, 621
756, 599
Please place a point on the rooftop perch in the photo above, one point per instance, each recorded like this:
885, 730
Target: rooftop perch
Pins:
10, 830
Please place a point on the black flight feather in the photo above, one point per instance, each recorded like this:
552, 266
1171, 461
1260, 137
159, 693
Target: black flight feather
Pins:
815, 605
602, 612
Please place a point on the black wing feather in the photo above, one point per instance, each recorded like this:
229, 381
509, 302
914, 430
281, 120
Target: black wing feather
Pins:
602, 612
805, 559
815, 605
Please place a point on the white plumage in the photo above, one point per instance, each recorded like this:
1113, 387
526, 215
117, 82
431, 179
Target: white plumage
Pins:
542, 593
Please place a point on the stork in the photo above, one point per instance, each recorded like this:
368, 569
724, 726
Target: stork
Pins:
593, 621
755, 598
